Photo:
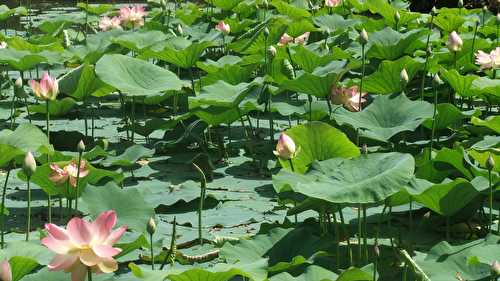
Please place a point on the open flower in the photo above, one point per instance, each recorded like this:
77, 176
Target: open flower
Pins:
84, 244
285, 148
301, 40
5, 271
107, 23
332, 3
348, 97
46, 89
454, 43
223, 27
285, 39
488, 61
69, 173
133, 15
3, 45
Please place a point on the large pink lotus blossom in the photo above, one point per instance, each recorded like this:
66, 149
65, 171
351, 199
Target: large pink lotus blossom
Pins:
223, 27
285, 148
348, 97
84, 244
133, 15
107, 23
489, 61
69, 173
3, 45
332, 3
46, 89
5, 271
301, 39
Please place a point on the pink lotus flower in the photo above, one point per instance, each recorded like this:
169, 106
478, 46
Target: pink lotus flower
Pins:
134, 15
46, 89
84, 244
454, 43
223, 27
332, 3
3, 45
488, 61
285, 148
5, 271
348, 97
70, 172
301, 40
107, 23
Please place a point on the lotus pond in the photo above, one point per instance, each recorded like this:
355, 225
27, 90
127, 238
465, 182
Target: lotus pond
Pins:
342, 140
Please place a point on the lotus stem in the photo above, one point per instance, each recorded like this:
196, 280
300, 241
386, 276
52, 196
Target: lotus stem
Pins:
47, 120
427, 55
363, 66
360, 231
202, 200
433, 130
12, 111
28, 224
132, 114
78, 180
347, 232
2, 213
173, 247
474, 42
491, 201
365, 233
89, 273
448, 228
27, 109
151, 251
337, 242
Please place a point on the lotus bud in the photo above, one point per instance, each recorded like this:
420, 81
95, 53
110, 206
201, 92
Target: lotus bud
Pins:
151, 227
363, 37
266, 32
364, 149
223, 27
376, 250
265, 4
428, 52
179, 29
81, 146
271, 51
455, 43
498, 18
19, 82
397, 16
460, 3
285, 148
490, 163
437, 79
495, 269
29, 164
434, 11
404, 76
485, 9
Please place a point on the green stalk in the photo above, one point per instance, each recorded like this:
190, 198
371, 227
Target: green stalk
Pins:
491, 201
47, 125
133, 118
365, 233
337, 240
2, 222
77, 181
433, 130
360, 227
474, 42
89, 274
202, 199
28, 225
427, 55
363, 66
346, 230
295, 203
151, 250
12, 111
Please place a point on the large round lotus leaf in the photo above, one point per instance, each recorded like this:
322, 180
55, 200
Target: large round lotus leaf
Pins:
390, 45
368, 179
318, 141
136, 77
386, 116
25, 138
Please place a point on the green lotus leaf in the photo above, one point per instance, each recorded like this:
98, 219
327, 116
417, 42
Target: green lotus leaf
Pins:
318, 141
386, 116
334, 23
461, 84
183, 57
222, 94
129, 156
486, 86
21, 60
6, 12
387, 79
136, 77
139, 40
492, 122
449, 116
95, 9
82, 82
309, 60
290, 10
449, 22
389, 44
57, 108
26, 137
367, 179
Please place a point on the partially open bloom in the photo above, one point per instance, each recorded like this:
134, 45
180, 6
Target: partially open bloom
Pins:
301, 39
107, 23
454, 43
84, 244
69, 173
46, 89
3, 45
5, 271
488, 61
285, 39
134, 15
348, 97
223, 27
332, 3
285, 148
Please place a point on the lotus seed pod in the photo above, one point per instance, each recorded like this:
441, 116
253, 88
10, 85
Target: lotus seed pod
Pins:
437, 79
404, 76
151, 227
363, 37
271, 51
397, 16
29, 164
460, 3
81, 146
495, 269
266, 32
19, 82
434, 11
490, 163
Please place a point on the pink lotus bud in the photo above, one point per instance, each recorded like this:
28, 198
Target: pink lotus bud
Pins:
495, 268
5, 271
285, 148
455, 43
223, 27
285, 39
46, 89
19, 82
29, 164
332, 3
